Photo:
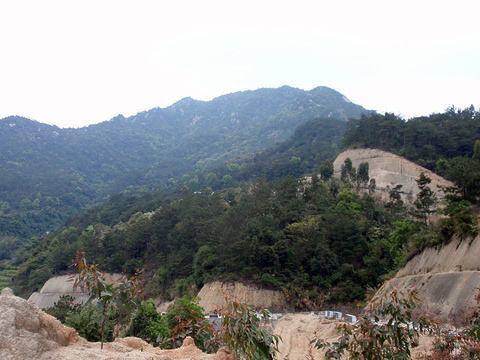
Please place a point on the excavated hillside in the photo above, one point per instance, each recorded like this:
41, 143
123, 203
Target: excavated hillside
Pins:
215, 296
63, 285
390, 170
447, 280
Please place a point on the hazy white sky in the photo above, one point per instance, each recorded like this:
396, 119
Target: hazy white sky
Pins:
73, 63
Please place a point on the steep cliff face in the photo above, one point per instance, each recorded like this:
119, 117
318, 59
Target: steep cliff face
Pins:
390, 170
215, 295
447, 280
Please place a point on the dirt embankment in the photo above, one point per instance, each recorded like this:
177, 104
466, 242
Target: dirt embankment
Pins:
390, 170
447, 280
216, 295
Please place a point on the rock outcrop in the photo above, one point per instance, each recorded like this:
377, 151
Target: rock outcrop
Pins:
390, 170
215, 296
63, 285
29, 333
447, 280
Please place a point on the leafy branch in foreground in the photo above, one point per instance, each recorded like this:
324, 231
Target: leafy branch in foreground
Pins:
458, 344
120, 297
390, 332
244, 335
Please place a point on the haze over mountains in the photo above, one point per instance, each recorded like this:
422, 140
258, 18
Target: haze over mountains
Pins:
48, 173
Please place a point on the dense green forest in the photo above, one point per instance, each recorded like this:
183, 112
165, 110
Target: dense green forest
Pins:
314, 142
47, 174
319, 241
325, 240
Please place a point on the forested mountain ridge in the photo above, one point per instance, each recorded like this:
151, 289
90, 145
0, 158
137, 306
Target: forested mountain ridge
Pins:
312, 143
48, 173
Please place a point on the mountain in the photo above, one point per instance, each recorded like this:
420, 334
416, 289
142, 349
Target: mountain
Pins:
259, 231
48, 173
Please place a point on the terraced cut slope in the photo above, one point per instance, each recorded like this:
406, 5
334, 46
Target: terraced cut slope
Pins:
447, 280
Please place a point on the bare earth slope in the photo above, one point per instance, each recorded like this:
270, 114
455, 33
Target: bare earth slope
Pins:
214, 296
447, 280
389, 170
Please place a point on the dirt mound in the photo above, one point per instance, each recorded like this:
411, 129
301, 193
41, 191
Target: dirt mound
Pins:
390, 170
214, 296
447, 279
29, 333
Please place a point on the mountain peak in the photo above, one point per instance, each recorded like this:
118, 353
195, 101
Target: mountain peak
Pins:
186, 101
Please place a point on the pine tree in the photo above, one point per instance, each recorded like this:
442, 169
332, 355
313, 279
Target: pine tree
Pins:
326, 170
476, 150
426, 198
348, 172
362, 174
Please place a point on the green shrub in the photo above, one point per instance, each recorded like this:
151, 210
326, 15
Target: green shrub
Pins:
88, 323
148, 324
461, 220
186, 318
64, 307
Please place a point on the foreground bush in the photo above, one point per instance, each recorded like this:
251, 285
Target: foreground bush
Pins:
461, 344
148, 324
244, 335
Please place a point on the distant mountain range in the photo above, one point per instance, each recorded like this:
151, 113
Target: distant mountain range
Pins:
48, 173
